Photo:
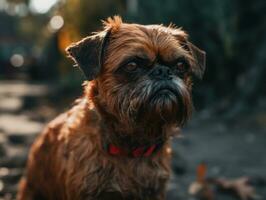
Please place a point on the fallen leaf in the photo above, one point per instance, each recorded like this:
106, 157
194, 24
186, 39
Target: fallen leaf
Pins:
240, 186
201, 188
195, 188
201, 172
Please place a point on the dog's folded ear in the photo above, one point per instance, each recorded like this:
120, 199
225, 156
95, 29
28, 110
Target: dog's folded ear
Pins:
88, 54
199, 57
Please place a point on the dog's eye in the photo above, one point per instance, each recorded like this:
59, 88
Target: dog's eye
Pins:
182, 66
131, 66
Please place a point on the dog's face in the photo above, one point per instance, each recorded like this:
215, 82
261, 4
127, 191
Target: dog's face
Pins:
141, 74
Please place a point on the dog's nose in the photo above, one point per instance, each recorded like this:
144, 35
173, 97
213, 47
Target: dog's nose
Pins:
162, 72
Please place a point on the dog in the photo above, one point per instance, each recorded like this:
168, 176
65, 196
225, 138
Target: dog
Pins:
114, 142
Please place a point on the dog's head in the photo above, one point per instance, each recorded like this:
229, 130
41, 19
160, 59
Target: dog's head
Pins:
140, 74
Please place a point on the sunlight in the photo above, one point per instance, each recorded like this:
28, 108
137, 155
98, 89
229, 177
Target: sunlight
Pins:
41, 6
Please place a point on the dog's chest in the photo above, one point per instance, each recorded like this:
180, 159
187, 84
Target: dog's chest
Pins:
133, 179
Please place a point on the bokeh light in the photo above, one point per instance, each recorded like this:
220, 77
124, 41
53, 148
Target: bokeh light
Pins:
41, 6
56, 22
17, 60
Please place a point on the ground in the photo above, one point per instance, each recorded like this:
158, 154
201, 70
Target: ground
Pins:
230, 148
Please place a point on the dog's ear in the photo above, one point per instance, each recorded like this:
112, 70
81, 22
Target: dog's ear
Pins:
198, 55
88, 53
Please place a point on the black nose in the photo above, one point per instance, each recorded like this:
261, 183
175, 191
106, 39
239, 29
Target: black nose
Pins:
161, 72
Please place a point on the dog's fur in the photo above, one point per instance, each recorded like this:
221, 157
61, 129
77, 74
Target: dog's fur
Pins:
126, 108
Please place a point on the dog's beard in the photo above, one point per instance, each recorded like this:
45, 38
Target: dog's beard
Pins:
154, 102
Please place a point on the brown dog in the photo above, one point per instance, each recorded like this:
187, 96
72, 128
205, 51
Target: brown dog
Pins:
114, 143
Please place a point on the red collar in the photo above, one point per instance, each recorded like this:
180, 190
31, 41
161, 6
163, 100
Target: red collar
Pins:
143, 151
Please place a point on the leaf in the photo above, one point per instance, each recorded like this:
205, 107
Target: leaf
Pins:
201, 172
201, 187
240, 186
195, 188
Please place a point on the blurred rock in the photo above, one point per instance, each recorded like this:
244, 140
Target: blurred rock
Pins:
21, 88
10, 104
19, 129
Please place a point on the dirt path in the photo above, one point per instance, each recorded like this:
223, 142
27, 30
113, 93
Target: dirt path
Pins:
17, 131
231, 150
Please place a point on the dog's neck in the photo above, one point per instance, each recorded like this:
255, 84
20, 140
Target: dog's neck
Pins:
137, 144
115, 134
120, 134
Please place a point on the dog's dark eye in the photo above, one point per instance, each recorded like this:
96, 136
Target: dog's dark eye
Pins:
182, 66
131, 66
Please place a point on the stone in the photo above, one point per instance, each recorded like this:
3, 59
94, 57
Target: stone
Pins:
21, 89
10, 104
19, 129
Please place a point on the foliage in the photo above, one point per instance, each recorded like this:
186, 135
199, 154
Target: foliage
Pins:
85, 16
232, 32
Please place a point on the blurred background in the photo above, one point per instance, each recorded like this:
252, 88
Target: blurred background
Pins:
228, 129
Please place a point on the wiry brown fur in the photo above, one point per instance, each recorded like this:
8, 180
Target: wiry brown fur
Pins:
68, 161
